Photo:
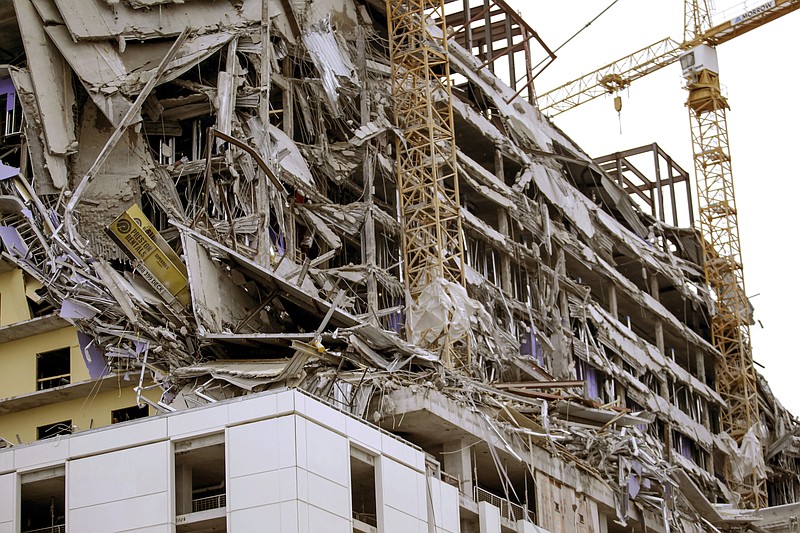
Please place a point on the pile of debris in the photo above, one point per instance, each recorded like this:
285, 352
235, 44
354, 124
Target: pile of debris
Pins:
207, 192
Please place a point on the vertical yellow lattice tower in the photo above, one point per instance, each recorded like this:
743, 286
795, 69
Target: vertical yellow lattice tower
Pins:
427, 178
719, 226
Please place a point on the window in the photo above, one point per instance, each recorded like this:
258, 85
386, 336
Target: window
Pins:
200, 496
52, 369
362, 490
52, 430
529, 345
10, 112
42, 502
129, 413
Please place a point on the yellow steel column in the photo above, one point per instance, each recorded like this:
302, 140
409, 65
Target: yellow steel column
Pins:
427, 179
719, 226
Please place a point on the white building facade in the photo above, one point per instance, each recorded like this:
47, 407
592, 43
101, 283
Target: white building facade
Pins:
277, 461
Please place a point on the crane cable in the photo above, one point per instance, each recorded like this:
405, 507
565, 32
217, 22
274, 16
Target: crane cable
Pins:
578, 32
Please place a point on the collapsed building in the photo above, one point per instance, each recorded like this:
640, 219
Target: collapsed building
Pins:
208, 193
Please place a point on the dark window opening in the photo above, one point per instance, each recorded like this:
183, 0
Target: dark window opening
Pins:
129, 413
52, 430
40, 307
42, 502
52, 369
200, 484
362, 488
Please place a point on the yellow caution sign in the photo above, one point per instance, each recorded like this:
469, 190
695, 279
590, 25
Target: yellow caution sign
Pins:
156, 261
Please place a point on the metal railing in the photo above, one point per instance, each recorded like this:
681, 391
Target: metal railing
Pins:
211, 502
51, 382
60, 528
511, 511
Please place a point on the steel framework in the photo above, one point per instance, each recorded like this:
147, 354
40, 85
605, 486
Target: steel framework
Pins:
427, 178
722, 253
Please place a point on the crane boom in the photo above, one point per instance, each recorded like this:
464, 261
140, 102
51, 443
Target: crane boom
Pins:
749, 20
619, 74
610, 78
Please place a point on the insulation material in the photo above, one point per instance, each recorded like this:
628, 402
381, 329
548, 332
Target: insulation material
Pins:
747, 458
331, 59
93, 357
552, 186
442, 307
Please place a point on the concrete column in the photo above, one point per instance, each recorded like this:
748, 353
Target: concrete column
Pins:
502, 227
602, 523
457, 461
700, 363
613, 307
561, 270
469, 526
655, 293
183, 489
663, 389
660, 337
505, 259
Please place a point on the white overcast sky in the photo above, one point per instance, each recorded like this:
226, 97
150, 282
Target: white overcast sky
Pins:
761, 72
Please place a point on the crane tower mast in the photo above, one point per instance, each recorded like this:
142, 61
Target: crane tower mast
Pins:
427, 178
722, 253
718, 221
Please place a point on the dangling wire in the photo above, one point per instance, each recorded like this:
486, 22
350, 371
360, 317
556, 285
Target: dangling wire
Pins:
562, 45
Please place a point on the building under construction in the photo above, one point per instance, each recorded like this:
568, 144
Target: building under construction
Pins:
331, 268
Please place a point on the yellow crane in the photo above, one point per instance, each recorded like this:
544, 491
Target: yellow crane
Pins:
427, 177
719, 224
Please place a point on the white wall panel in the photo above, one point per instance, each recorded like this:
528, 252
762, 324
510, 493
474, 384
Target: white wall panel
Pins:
278, 518
365, 435
46, 452
264, 488
6, 460
261, 446
163, 528
120, 515
198, 420
489, 517
119, 475
256, 519
8, 501
320, 520
118, 436
257, 407
398, 522
402, 452
327, 454
403, 488
445, 507
327, 495
324, 414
